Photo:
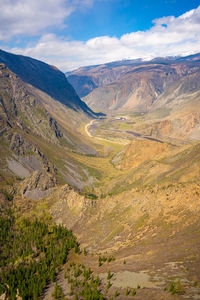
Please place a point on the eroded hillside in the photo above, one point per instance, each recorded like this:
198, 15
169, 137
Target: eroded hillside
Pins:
132, 85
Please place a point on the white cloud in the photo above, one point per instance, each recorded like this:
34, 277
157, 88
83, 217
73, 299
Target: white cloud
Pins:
30, 17
168, 36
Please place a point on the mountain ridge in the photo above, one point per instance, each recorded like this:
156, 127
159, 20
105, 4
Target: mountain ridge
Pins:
121, 86
46, 78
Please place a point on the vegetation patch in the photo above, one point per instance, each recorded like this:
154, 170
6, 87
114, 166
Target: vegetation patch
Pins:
31, 254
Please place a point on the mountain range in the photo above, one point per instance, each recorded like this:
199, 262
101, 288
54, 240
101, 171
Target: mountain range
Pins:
134, 85
123, 175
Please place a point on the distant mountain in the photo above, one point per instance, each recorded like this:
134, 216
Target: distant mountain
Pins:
131, 85
45, 78
86, 79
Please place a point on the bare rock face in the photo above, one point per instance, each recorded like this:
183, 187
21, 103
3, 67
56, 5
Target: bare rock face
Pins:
22, 148
134, 85
20, 109
18, 145
38, 185
40, 180
140, 151
67, 206
183, 125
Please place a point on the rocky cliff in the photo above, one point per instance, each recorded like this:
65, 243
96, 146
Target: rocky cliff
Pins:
133, 85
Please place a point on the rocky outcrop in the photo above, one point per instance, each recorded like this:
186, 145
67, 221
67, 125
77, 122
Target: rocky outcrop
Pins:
20, 108
141, 151
38, 185
22, 147
181, 125
39, 180
54, 126
67, 206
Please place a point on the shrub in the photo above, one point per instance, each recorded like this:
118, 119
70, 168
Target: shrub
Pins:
138, 286
100, 263
133, 292
127, 291
176, 288
116, 294
109, 275
108, 284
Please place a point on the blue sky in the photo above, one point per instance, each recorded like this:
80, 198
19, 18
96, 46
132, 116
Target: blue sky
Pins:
74, 33
117, 17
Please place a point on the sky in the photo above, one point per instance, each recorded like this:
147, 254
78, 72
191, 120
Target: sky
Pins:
74, 33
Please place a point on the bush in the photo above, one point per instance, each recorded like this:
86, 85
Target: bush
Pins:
116, 294
176, 288
109, 275
133, 292
138, 286
110, 258
100, 263
127, 291
108, 284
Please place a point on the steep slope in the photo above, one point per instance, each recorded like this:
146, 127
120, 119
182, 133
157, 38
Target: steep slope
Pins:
19, 107
182, 111
82, 84
172, 98
33, 140
46, 78
151, 227
21, 116
138, 89
135, 90
86, 79
130, 85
